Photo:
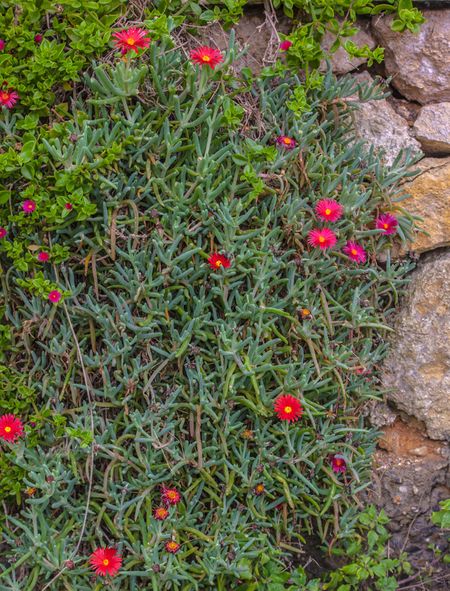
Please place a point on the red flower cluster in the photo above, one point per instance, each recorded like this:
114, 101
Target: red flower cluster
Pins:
105, 561
11, 428
206, 56
329, 210
170, 496
172, 547
160, 513
131, 39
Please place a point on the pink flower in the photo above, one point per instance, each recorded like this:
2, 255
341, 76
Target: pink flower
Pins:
322, 238
29, 206
43, 257
8, 97
338, 464
38, 38
2, 44
387, 223
286, 142
55, 296
68, 206
329, 210
285, 45
131, 39
355, 252
3, 232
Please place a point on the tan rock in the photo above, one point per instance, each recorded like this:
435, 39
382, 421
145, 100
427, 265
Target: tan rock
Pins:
419, 63
417, 370
341, 62
378, 124
432, 128
430, 200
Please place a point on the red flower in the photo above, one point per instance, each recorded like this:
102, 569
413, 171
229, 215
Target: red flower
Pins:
285, 45
54, 296
286, 142
219, 260
105, 561
322, 238
288, 408
38, 38
160, 513
8, 98
2, 44
206, 56
172, 547
3, 232
170, 496
355, 252
43, 257
131, 39
29, 206
259, 489
11, 428
338, 464
387, 223
329, 210
68, 206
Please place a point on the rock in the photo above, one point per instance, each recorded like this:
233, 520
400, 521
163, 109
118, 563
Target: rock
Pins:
416, 373
430, 199
411, 478
378, 124
432, 128
405, 109
419, 63
341, 62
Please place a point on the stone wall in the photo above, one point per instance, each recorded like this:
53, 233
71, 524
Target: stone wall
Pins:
411, 474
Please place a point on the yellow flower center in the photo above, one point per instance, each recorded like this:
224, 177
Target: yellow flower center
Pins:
327, 211
218, 263
105, 562
321, 239
7, 429
306, 312
260, 488
131, 41
287, 140
385, 226
5, 96
288, 409
172, 494
338, 462
354, 252
206, 58
172, 545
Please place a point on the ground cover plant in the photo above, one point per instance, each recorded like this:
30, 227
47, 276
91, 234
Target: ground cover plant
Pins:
194, 314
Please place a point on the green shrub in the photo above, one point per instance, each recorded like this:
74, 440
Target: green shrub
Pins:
155, 370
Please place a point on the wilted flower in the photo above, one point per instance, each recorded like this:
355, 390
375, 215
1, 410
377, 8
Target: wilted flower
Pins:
338, 464
206, 56
286, 142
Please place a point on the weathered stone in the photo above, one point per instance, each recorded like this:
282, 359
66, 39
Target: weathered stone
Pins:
419, 63
430, 200
417, 370
411, 478
405, 109
378, 124
341, 62
432, 128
